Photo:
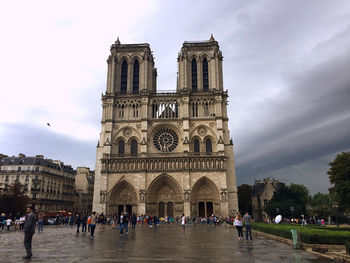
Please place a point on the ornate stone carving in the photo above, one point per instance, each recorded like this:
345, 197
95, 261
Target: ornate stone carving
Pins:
142, 195
103, 194
138, 126
211, 124
223, 195
187, 195
192, 125
115, 127
107, 143
127, 132
179, 124
202, 131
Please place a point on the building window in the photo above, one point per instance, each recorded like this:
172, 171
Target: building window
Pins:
27, 177
196, 148
7, 178
121, 111
135, 86
194, 75
133, 147
124, 78
206, 109
195, 109
17, 177
19, 168
208, 146
205, 75
37, 168
121, 147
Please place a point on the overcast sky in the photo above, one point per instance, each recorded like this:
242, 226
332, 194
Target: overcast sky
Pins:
286, 67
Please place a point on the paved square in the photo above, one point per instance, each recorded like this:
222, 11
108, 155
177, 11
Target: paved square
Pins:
164, 243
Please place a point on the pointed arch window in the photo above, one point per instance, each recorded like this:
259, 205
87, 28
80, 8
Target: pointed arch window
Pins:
135, 85
133, 148
124, 78
205, 75
194, 75
196, 147
208, 146
121, 147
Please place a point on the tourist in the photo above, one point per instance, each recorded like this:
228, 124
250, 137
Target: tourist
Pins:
29, 230
121, 223
21, 223
8, 223
183, 222
83, 223
2, 221
133, 221
239, 225
126, 222
93, 223
247, 221
78, 222
40, 222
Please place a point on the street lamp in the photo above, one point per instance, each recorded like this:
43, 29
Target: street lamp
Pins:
335, 207
292, 210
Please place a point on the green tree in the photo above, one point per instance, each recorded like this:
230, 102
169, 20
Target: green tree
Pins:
320, 206
13, 199
289, 201
245, 198
339, 176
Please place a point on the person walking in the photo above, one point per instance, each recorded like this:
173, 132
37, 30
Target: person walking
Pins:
29, 230
239, 225
8, 223
248, 227
77, 222
93, 223
133, 221
126, 222
41, 222
83, 223
121, 224
183, 222
2, 221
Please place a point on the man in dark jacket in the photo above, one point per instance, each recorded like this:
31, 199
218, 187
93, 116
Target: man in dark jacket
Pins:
29, 230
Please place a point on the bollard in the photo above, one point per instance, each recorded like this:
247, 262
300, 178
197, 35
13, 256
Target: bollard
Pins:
295, 237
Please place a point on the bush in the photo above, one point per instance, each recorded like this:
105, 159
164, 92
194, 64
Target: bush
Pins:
307, 234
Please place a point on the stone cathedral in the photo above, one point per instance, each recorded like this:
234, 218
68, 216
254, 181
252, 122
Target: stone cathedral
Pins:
165, 153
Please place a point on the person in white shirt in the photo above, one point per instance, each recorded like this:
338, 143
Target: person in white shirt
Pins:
8, 223
183, 222
239, 226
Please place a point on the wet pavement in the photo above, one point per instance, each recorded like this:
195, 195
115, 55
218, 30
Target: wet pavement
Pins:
164, 243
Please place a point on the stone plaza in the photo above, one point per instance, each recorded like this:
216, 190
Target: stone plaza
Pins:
163, 243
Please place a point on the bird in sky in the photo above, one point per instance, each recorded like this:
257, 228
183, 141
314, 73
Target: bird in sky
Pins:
48, 124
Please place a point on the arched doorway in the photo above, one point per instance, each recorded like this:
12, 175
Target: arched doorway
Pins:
164, 197
122, 197
205, 198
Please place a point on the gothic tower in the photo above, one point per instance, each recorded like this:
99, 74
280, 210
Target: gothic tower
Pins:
165, 153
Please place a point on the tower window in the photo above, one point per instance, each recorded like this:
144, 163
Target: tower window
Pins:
205, 75
196, 146
194, 75
124, 78
208, 146
121, 147
133, 147
135, 87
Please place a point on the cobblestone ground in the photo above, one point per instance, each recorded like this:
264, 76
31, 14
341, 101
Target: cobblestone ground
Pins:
164, 243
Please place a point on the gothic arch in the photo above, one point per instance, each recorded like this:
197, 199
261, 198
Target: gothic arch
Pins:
204, 55
205, 198
124, 57
125, 134
134, 57
123, 196
164, 191
209, 132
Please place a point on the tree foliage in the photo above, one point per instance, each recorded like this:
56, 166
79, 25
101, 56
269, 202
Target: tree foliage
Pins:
339, 176
245, 198
13, 199
321, 206
288, 201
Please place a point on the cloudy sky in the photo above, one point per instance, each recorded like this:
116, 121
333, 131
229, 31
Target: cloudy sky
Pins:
286, 67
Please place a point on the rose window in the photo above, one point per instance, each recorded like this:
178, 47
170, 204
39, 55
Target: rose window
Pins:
165, 140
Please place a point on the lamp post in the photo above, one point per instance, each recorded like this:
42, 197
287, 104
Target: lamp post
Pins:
335, 207
292, 210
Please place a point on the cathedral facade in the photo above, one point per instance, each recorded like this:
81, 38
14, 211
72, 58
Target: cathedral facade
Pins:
165, 153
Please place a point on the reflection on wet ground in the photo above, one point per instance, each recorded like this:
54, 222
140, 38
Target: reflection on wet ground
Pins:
164, 243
